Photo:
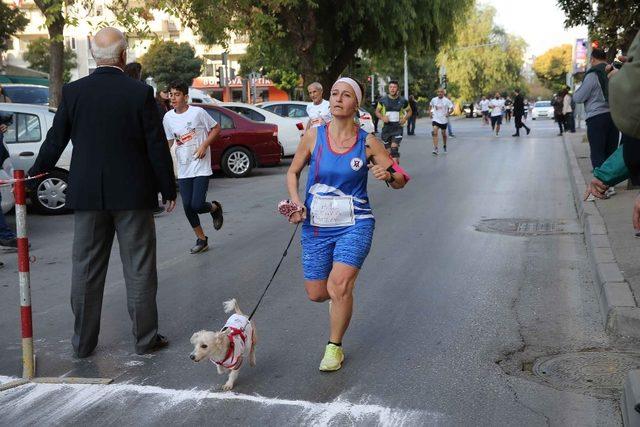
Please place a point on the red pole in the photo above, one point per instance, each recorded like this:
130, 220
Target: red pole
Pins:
23, 272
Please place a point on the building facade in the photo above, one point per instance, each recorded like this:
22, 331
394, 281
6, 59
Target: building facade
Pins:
163, 26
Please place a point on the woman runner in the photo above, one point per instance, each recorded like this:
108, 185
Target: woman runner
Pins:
338, 229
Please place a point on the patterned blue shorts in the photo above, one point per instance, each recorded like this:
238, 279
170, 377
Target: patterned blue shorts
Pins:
350, 248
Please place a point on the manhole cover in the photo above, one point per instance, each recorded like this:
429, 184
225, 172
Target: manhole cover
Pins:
599, 372
528, 227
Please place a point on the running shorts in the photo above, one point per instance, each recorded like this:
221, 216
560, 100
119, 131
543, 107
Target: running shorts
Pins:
496, 120
350, 248
391, 133
440, 125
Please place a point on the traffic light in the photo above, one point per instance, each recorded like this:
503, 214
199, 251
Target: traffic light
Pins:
369, 78
232, 73
220, 76
595, 44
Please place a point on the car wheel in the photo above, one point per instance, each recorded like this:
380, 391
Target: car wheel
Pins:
237, 162
50, 195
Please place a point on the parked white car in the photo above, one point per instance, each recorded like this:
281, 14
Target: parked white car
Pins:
7, 193
24, 138
201, 97
290, 130
542, 109
298, 110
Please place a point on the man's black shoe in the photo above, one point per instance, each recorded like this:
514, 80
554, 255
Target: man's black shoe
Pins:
9, 243
528, 131
516, 134
160, 343
217, 215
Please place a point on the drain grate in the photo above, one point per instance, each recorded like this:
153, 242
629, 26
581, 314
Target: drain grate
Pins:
599, 372
527, 227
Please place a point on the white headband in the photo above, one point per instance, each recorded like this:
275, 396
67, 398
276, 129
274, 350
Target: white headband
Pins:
354, 86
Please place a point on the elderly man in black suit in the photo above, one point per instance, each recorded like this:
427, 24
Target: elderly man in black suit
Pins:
518, 112
120, 162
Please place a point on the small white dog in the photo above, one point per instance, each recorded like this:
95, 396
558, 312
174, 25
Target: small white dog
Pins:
228, 347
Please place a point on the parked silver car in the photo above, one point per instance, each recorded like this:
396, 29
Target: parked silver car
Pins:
24, 138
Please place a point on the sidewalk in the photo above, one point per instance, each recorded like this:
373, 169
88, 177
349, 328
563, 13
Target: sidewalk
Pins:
614, 251
612, 246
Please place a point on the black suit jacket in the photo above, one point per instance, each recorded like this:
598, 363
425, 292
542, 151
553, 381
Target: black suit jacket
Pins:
121, 158
518, 106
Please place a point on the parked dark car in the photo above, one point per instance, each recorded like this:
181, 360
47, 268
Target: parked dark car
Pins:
243, 144
26, 94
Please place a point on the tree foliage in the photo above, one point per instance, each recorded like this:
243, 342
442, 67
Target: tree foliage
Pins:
38, 56
320, 38
13, 21
552, 66
483, 58
166, 61
613, 22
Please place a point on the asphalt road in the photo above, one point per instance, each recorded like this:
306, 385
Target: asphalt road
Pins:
446, 317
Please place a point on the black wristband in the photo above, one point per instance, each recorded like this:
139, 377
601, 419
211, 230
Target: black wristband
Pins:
391, 177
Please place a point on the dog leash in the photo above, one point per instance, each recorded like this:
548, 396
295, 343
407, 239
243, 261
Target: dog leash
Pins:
284, 254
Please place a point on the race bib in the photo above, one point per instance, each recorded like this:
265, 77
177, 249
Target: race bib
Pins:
185, 153
394, 116
332, 211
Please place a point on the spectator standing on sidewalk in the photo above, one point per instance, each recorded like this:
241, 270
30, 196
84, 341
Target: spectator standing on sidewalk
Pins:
133, 70
3, 96
449, 125
518, 112
601, 131
411, 123
7, 235
557, 103
120, 161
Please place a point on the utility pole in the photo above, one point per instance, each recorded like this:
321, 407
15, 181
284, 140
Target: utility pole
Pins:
406, 75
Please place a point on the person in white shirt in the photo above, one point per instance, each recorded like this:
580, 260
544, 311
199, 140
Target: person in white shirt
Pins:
497, 110
318, 110
441, 107
484, 108
193, 130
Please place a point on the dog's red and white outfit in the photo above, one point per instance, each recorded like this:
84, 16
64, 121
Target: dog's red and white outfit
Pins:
240, 334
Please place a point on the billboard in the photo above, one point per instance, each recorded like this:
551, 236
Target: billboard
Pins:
580, 56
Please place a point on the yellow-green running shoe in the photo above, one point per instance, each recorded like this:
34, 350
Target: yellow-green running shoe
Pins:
333, 357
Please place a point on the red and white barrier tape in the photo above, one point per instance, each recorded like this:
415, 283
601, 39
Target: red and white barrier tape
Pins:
15, 180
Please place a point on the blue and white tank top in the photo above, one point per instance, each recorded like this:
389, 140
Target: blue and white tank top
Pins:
336, 192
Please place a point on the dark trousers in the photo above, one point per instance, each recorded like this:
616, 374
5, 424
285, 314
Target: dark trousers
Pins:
519, 123
560, 121
193, 192
569, 123
375, 122
411, 125
92, 241
603, 138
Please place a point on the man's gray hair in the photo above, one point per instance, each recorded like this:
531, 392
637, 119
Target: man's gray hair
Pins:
316, 85
110, 53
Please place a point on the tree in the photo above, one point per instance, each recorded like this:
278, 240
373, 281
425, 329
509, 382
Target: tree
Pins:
166, 61
552, 66
39, 58
483, 58
321, 38
13, 21
614, 23
53, 11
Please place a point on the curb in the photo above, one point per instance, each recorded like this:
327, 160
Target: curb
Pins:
620, 314
629, 405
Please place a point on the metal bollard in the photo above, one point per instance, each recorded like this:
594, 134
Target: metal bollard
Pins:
28, 369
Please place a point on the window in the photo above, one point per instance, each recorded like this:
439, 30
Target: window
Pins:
277, 109
296, 111
225, 121
24, 128
248, 113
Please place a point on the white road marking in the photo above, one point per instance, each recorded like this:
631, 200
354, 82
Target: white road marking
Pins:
58, 403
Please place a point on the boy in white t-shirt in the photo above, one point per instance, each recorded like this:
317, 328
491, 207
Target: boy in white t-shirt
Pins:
318, 111
193, 131
441, 107
497, 110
